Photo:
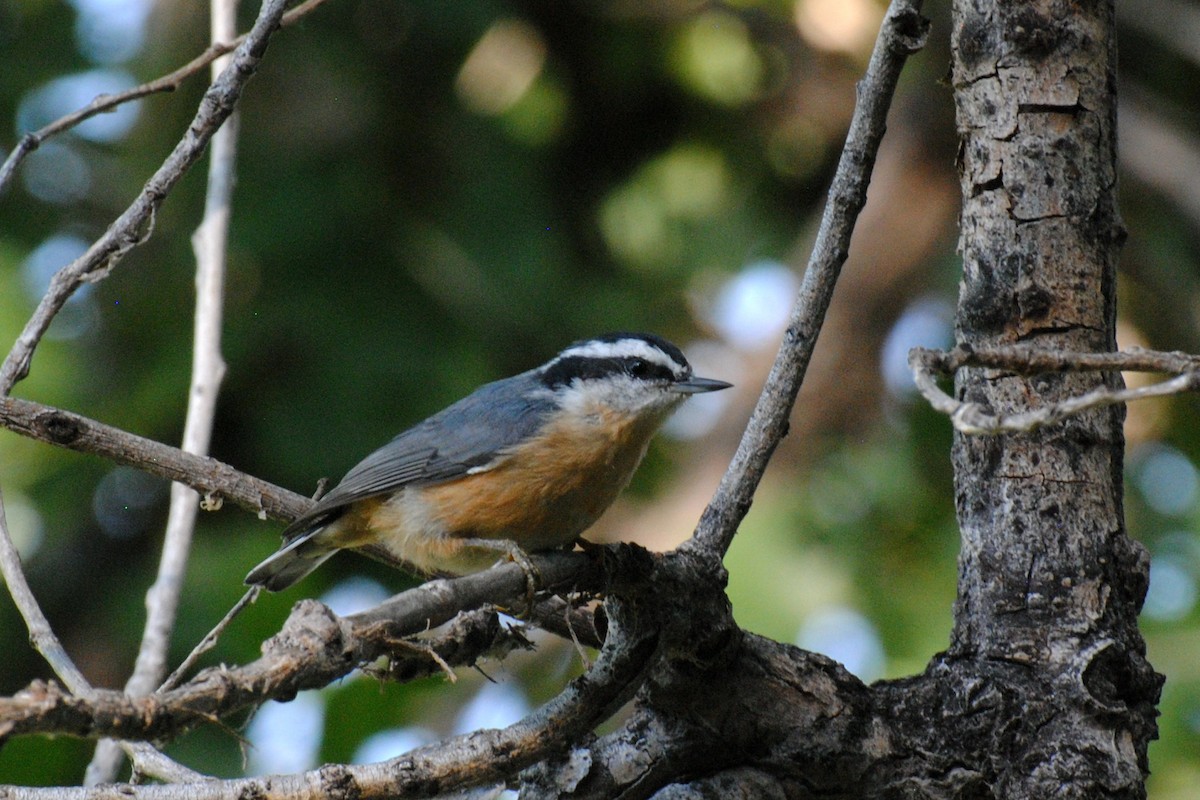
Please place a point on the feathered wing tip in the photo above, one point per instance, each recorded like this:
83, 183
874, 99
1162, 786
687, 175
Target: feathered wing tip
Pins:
290, 563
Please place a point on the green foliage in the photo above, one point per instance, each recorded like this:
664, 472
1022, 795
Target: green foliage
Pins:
405, 229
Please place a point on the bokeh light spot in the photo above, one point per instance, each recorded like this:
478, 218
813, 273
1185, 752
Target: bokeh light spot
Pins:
111, 31
846, 26
1166, 478
1172, 593
846, 636
64, 95
286, 737
55, 173
927, 322
79, 315
353, 595
49, 257
694, 180
25, 525
126, 502
388, 744
715, 57
753, 306
634, 223
495, 705
501, 68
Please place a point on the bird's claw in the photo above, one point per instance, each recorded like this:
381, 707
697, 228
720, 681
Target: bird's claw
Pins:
533, 578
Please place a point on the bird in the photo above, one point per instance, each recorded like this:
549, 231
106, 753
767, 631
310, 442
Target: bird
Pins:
521, 465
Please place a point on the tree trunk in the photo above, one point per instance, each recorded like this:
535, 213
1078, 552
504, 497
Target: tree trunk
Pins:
1049, 583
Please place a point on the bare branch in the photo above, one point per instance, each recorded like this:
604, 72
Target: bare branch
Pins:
149, 762
902, 34
469, 637
1031, 360
792, 690
482, 758
135, 224
41, 635
314, 648
107, 102
972, 418
208, 476
210, 640
208, 368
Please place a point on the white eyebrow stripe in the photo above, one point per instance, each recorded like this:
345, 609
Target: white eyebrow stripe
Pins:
622, 348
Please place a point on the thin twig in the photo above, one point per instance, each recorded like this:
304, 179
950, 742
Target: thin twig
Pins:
135, 224
210, 640
107, 102
974, 419
902, 34
427, 650
41, 635
583, 657
149, 762
484, 757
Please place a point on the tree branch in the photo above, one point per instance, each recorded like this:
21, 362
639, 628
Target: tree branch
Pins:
107, 102
41, 635
313, 635
149, 762
805, 719
213, 479
208, 368
136, 223
1031, 360
974, 418
903, 33
313, 648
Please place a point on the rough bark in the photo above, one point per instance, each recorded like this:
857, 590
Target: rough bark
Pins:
1049, 582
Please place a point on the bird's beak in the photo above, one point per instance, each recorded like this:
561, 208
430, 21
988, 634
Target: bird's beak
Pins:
699, 385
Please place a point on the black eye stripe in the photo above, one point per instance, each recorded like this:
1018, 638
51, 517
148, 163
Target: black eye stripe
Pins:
641, 368
565, 370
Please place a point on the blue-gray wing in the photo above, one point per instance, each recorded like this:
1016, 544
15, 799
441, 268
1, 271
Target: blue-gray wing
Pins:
461, 437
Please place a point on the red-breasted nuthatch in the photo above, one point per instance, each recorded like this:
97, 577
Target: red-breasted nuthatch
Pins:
521, 465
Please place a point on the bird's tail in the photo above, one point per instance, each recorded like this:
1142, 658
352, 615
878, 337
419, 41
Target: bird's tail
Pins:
291, 562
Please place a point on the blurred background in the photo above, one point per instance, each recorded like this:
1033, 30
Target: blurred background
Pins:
433, 195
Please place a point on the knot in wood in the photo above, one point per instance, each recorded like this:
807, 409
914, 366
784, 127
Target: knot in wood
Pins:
910, 31
253, 790
337, 783
1114, 678
312, 631
60, 428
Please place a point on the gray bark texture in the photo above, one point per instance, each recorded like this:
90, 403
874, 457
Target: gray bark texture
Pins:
1045, 641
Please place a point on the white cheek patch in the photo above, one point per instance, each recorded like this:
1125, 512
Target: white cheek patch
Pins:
596, 399
585, 397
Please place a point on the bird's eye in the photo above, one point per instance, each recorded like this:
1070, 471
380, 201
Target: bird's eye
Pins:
640, 368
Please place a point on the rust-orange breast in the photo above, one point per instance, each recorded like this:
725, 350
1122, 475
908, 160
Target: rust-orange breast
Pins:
546, 492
